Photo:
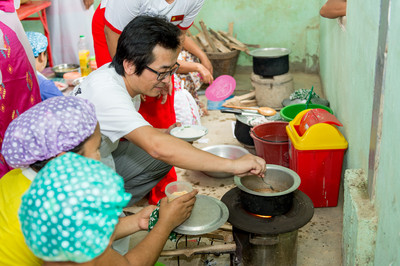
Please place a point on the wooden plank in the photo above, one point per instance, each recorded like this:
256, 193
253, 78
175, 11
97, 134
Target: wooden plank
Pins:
200, 44
222, 48
236, 44
248, 103
218, 249
230, 29
204, 43
197, 28
219, 37
253, 45
207, 36
190, 35
230, 38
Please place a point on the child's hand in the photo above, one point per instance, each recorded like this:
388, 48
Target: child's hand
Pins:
177, 211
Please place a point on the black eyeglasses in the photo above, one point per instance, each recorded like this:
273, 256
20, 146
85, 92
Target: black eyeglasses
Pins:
162, 75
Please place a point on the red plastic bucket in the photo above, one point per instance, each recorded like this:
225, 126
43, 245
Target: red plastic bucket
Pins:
271, 142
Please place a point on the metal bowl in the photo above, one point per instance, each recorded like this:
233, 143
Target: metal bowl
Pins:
225, 151
61, 69
77, 81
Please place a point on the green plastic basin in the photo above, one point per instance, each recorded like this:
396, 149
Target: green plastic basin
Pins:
289, 112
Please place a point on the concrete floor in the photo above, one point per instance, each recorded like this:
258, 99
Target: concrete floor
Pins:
319, 242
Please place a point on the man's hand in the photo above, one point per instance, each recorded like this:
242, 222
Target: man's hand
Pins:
88, 3
174, 213
249, 165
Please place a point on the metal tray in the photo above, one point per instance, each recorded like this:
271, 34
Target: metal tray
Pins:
208, 214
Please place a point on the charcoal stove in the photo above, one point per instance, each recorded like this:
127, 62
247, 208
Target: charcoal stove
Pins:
266, 240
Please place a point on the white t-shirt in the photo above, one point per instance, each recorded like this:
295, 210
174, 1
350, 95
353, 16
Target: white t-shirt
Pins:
116, 111
181, 12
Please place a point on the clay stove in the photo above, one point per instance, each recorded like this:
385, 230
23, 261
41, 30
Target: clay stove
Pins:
266, 240
271, 91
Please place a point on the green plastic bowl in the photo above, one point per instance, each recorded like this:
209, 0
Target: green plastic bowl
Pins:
289, 112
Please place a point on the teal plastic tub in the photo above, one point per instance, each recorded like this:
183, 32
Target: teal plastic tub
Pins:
289, 112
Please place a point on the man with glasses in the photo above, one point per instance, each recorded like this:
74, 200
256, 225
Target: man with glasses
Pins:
145, 59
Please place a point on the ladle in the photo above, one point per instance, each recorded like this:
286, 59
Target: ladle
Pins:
267, 111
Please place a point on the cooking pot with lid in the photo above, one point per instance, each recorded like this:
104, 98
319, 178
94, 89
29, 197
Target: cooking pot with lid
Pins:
269, 62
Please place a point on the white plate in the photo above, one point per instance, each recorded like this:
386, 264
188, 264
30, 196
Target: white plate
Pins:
189, 133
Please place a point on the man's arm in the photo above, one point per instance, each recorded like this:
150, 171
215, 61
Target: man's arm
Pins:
179, 153
87, 3
333, 9
112, 40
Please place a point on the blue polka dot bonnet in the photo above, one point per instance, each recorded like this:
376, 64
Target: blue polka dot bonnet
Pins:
42, 132
38, 42
70, 211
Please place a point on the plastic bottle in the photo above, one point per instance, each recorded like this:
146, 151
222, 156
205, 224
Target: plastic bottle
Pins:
84, 56
93, 64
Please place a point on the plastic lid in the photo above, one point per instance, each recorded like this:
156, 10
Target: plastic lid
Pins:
221, 88
315, 116
320, 136
93, 57
81, 36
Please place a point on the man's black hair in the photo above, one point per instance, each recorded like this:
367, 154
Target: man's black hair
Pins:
139, 38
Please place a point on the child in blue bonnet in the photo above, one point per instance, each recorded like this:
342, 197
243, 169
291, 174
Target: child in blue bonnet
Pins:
39, 44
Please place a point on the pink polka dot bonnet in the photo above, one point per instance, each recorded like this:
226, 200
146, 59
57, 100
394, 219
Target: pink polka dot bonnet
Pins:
53, 126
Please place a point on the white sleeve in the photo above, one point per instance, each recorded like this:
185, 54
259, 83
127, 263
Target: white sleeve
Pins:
117, 117
191, 15
120, 12
115, 109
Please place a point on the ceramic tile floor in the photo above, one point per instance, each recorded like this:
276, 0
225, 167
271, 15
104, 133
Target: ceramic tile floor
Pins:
319, 242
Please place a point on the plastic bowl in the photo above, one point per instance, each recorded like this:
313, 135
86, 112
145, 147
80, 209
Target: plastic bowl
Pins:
289, 112
61, 69
176, 189
189, 133
225, 151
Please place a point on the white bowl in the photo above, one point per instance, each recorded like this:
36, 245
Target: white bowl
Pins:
226, 151
189, 133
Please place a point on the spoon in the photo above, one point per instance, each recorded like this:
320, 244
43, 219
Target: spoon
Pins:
309, 97
267, 111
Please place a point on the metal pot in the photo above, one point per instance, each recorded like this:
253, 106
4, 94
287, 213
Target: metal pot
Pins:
269, 62
272, 197
242, 131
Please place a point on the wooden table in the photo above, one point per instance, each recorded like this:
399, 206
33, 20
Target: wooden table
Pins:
38, 7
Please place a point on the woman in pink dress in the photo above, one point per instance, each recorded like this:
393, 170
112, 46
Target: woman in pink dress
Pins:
19, 89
